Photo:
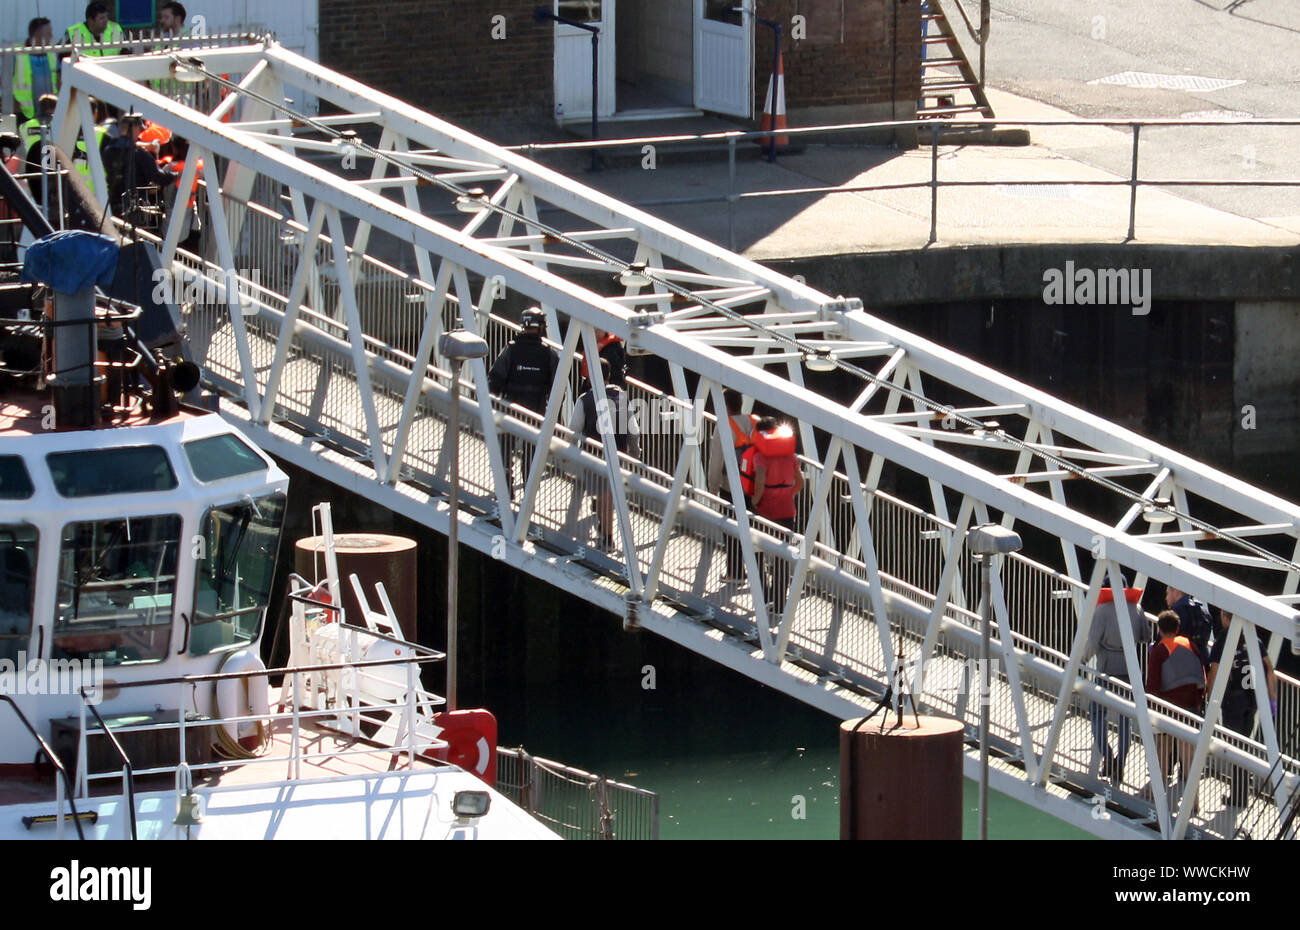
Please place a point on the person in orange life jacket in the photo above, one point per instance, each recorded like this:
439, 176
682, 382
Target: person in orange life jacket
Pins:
523, 374
1193, 620
10, 146
1239, 703
1175, 673
741, 433
130, 165
587, 421
777, 480
173, 159
612, 350
1104, 642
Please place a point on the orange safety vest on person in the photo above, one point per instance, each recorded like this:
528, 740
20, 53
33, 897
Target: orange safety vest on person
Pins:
1107, 595
1182, 667
600, 347
744, 445
773, 443
180, 169
15, 166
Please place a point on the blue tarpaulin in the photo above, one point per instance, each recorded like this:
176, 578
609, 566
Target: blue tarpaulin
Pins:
71, 261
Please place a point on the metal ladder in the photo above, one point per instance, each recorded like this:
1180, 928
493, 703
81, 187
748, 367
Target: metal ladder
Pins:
949, 85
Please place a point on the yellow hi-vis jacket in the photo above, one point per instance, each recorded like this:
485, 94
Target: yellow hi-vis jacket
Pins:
80, 34
23, 95
30, 133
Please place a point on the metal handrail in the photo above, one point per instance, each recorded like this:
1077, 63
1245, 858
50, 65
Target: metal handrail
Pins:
937, 129
128, 771
58, 764
141, 42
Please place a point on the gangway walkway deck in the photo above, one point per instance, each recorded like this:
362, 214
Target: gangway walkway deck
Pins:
326, 355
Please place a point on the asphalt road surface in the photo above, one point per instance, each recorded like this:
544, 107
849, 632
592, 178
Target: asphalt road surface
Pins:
1168, 59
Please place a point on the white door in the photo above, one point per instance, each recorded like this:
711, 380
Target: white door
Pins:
724, 57
573, 58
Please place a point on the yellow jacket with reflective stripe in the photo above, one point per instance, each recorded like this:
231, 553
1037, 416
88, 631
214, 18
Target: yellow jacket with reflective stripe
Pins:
80, 34
23, 81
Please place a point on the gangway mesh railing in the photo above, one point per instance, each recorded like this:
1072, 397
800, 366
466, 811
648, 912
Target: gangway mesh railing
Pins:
576, 804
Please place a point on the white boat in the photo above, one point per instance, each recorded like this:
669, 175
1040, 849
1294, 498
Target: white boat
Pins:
138, 537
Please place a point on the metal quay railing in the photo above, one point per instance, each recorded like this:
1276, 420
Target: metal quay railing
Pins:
937, 128
576, 804
143, 43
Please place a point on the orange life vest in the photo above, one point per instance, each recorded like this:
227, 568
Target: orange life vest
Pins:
601, 343
744, 445
179, 165
1183, 665
774, 442
1107, 595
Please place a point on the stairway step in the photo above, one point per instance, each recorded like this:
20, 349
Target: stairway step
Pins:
924, 112
935, 40
941, 62
933, 90
931, 17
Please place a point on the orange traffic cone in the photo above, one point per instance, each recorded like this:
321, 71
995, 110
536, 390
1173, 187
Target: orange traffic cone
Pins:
774, 115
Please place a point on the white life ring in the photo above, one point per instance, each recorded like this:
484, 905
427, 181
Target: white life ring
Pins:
243, 697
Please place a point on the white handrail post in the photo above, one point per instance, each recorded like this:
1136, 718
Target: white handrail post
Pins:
181, 724
83, 766
128, 803
410, 713
354, 683
296, 740
58, 807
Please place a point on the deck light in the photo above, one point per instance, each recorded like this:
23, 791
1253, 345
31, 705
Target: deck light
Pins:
470, 805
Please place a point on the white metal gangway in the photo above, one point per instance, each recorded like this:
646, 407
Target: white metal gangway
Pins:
356, 238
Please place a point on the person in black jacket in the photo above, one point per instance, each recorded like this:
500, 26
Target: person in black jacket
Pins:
622, 423
523, 374
1193, 620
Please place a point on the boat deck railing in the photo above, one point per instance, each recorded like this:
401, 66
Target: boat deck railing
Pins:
357, 715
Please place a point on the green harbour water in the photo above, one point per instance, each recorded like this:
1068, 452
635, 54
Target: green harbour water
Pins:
730, 759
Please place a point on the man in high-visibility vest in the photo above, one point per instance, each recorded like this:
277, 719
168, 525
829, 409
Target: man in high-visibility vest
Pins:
35, 73
96, 32
171, 19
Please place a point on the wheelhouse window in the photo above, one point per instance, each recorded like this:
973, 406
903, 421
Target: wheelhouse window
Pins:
15, 483
18, 545
236, 566
96, 472
117, 581
222, 456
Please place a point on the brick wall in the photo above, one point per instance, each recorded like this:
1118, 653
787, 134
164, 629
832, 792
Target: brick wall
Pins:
858, 58
440, 55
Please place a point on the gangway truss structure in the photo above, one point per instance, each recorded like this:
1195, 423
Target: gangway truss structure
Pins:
340, 247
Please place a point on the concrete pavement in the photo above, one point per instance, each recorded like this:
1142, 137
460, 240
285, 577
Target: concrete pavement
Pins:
1003, 210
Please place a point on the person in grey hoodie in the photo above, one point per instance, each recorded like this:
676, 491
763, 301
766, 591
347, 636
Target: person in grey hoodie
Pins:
1105, 643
